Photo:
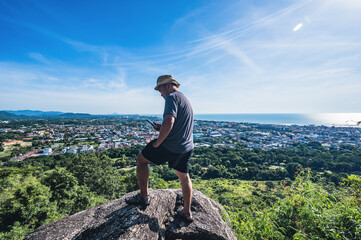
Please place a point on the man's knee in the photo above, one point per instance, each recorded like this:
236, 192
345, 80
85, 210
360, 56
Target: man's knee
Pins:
183, 177
141, 159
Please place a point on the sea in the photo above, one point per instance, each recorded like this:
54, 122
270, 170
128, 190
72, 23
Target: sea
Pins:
325, 119
317, 119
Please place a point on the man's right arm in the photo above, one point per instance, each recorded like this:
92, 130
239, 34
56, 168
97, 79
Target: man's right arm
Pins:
165, 129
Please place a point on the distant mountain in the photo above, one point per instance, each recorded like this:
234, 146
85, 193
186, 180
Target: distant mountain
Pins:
36, 113
4, 114
43, 114
74, 115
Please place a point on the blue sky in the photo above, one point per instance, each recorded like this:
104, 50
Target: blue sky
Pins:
100, 57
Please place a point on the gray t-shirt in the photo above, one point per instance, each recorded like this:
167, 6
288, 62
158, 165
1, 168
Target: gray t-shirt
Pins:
180, 138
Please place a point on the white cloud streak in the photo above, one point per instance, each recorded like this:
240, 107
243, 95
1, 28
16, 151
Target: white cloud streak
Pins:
251, 66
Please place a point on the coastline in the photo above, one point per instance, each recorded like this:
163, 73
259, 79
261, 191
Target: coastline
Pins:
317, 119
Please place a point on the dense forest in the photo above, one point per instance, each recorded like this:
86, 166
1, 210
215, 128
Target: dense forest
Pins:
299, 193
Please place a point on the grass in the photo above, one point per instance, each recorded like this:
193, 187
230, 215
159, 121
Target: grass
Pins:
5, 153
241, 199
231, 192
128, 168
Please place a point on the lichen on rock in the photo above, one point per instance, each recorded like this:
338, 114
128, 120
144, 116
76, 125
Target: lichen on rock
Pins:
118, 220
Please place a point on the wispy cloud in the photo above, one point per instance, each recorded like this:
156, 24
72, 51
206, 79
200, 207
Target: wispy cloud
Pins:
40, 58
302, 57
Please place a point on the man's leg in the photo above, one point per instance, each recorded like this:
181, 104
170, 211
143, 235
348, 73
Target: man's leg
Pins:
143, 174
186, 189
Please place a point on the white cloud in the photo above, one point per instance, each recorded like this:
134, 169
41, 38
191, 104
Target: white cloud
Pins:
297, 27
94, 100
246, 65
39, 57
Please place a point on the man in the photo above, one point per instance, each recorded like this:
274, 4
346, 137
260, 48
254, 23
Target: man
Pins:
173, 145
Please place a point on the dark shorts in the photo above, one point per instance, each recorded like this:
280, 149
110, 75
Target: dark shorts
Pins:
159, 155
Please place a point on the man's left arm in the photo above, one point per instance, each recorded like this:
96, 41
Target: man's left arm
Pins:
165, 129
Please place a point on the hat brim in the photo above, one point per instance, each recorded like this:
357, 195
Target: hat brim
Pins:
163, 83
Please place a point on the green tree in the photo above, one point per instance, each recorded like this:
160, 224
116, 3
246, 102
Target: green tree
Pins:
354, 182
270, 185
25, 202
216, 172
68, 195
293, 169
97, 173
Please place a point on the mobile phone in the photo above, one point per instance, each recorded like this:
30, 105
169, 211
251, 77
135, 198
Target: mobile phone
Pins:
151, 123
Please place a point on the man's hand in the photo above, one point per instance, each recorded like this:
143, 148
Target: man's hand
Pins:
157, 126
156, 144
165, 129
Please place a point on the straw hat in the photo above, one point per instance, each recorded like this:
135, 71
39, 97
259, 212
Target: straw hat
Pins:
164, 79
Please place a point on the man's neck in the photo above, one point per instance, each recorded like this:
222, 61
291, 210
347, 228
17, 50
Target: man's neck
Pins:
174, 89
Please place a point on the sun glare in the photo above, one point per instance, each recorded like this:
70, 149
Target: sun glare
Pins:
338, 119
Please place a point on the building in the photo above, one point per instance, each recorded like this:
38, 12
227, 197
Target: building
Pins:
12, 143
47, 151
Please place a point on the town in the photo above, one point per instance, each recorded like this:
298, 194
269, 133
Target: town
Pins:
29, 138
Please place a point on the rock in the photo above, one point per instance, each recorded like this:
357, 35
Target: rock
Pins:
118, 220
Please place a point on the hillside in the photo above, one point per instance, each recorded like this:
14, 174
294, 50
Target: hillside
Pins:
34, 113
288, 201
42, 114
4, 115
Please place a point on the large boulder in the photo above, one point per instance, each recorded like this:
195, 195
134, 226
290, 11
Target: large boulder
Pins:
118, 220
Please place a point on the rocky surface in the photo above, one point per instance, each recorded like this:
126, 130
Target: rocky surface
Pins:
118, 220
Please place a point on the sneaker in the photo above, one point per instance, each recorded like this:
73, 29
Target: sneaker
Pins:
138, 200
185, 216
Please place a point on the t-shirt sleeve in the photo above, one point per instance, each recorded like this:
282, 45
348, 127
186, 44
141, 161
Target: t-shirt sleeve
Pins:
171, 107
